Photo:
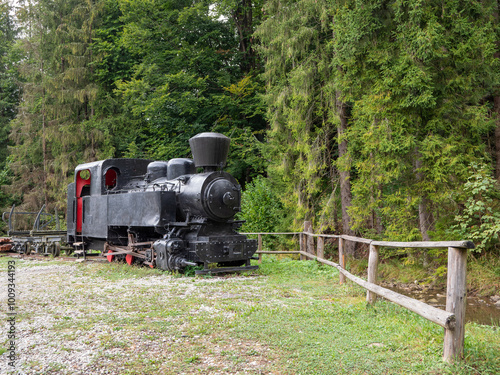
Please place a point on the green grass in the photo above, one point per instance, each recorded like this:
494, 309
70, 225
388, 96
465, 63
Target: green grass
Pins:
322, 327
289, 317
119, 271
47, 261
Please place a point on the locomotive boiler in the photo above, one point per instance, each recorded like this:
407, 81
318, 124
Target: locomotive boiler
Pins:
165, 214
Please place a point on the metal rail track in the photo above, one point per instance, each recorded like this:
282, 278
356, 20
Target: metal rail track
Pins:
93, 258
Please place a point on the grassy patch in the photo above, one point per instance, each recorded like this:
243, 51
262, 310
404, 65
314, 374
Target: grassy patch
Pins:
483, 275
118, 271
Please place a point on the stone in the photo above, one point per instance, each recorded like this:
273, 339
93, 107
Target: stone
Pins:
495, 298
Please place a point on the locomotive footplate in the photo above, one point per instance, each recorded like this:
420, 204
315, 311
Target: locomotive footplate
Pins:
226, 249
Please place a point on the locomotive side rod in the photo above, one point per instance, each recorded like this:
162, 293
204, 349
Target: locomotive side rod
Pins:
121, 251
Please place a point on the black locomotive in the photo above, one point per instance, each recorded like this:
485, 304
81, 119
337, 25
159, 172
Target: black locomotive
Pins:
161, 213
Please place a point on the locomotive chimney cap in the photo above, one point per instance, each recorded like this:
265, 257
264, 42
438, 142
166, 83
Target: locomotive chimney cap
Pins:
210, 150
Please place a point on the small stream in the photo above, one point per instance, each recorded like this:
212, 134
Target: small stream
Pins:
478, 310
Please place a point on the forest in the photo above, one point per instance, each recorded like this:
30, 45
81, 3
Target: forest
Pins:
376, 118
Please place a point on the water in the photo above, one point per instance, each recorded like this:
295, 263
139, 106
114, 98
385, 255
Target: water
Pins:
478, 310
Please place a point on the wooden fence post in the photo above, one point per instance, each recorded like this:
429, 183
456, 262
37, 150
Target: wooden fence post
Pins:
341, 259
320, 251
456, 296
372, 272
259, 246
302, 244
309, 239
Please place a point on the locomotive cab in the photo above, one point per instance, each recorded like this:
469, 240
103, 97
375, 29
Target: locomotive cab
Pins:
100, 208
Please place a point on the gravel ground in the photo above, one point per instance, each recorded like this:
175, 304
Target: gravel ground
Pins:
72, 321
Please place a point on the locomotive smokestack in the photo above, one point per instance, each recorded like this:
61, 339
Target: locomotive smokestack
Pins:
210, 150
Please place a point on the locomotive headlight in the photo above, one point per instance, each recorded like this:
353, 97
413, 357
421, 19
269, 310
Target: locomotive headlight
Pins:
228, 199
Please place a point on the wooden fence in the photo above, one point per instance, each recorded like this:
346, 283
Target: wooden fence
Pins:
452, 320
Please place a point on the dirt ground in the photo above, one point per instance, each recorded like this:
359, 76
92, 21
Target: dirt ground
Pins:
70, 322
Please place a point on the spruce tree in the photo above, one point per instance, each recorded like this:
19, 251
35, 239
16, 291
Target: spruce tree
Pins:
9, 95
417, 74
54, 130
187, 77
9, 89
307, 113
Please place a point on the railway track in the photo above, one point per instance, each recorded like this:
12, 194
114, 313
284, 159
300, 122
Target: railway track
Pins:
92, 258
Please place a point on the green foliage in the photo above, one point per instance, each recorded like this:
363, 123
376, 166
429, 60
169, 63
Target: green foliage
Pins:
119, 78
184, 80
55, 129
299, 100
416, 75
245, 160
416, 78
9, 88
261, 207
479, 221
413, 81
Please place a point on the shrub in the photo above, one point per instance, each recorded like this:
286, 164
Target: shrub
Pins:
261, 207
479, 220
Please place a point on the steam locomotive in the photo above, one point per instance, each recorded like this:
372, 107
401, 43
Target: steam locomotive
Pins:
162, 213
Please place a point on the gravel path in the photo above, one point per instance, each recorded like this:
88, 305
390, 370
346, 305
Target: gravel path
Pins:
74, 321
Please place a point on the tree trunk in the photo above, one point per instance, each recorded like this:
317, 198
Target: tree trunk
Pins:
496, 110
425, 217
378, 220
44, 142
243, 19
345, 177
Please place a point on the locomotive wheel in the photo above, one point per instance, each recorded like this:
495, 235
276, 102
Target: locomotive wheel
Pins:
26, 248
50, 249
110, 257
129, 258
54, 249
57, 249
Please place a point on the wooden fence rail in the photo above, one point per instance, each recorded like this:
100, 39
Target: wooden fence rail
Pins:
452, 320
